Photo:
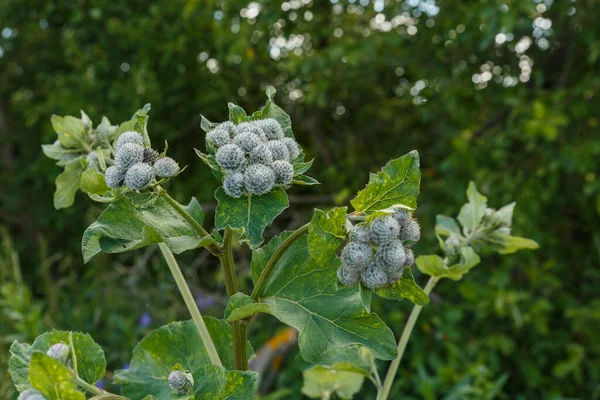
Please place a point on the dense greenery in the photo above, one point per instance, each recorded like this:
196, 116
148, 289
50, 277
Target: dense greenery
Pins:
461, 85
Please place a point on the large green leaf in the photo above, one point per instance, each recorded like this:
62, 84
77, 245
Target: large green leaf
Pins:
250, 213
407, 288
92, 182
471, 213
167, 346
302, 294
355, 359
326, 232
91, 363
211, 383
70, 130
320, 382
52, 378
397, 183
18, 365
67, 184
126, 225
434, 265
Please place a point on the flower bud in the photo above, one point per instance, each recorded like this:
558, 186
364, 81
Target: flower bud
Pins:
150, 156
230, 157
394, 274
139, 176
181, 381
233, 184
292, 146
384, 229
373, 276
261, 154
251, 127
92, 160
409, 256
129, 154
360, 233
218, 137
259, 179
402, 216
60, 352
166, 167
31, 394
356, 255
130, 137
114, 176
348, 276
284, 172
271, 127
390, 255
279, 150
246, 141
410, 232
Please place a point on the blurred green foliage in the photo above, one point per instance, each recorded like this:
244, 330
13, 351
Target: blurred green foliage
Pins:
503, 93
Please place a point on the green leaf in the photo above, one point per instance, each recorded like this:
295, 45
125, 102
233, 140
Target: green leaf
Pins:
302, 293
236, 113
54, 152
250, 213
209, 160
472, 212
355, 359
506, 244
172, 344
305, 180
92, 182
125, 127
326, 232
91, 364
321, 382
302, 167
141, 126
52, 378
212, 383
126, 226
505, 214
434, 265
366, 295
272, 110
18, 365
67, 184
407, 288
206, 125
70, 130
397, 183
105, 130
446, 226
242, 306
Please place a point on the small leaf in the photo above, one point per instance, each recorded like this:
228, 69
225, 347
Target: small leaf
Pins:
105, 130
472, 212
141, 126
407, 288
397, 183
209, 160
92, 182
91, 363
67, 184
321, 382
506, 213
326, 232
270, 92
250, 213
355, 359
236, 113
305, 180
70, 130
195, 210
366, 295
206, 125
506, 244
54, 152
434, 265
302, 167
242, 306
212, 383
53, 379
18, 365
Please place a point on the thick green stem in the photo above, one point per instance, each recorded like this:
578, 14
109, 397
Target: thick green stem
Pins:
214, 249
410, 324
188, 298
266, 272
239, 328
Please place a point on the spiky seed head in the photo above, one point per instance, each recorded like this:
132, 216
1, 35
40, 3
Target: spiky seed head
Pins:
130, 137
410, 232
227, 126
150, 156
374, 276
166, 167
261, 154
138, 176
233, 184
284, 172
360, 233
271, 127
57, 143
114, 176
409, 256
218, 137
394, 274
92, 160
279, 150
292, 146
402, 216
246, 141
31, 394
129, 154
251, 127
348, 276
259, 179
180, 381
356, 255
384, 229
59, 351
391, 255
230, 157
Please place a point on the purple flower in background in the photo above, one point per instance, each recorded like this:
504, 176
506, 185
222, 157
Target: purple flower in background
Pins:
100, 384
204, 301
145, 320
125, 366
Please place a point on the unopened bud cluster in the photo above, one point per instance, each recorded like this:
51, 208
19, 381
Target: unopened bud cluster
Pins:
377, 254
181, 382
254, 156
136, 166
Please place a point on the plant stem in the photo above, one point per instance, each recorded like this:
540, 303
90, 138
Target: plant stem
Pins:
188, 298
239, 329
410, 324
213, 248
266, 272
